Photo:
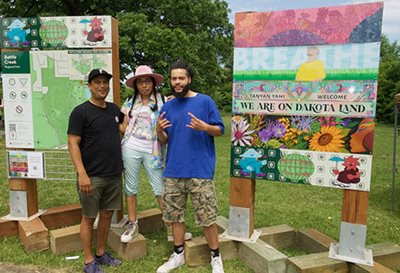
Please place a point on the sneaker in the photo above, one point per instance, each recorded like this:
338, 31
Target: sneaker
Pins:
131, 230
174, 261
188, 236
216, 264
107, 260
92, 267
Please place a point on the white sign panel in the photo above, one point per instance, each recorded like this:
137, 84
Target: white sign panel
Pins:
18, 110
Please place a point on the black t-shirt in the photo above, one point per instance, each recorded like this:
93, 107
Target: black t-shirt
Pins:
100, 138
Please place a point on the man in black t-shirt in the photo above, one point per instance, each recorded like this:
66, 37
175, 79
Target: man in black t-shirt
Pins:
94, 145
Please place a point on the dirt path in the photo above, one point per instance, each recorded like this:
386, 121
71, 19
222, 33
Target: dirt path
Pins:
12, 268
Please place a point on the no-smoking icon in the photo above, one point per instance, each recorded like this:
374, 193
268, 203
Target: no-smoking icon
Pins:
19, 109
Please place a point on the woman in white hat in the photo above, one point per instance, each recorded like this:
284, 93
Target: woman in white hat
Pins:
140, 145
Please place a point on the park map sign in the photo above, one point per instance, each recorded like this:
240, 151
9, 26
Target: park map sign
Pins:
304, 95
44, 70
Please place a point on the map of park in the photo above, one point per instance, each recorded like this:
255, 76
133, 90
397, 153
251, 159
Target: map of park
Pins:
58, 85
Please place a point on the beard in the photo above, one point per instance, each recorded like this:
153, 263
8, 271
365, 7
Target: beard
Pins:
182, 94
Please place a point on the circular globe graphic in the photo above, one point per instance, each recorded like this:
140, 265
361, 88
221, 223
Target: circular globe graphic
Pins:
295, 167
54, 32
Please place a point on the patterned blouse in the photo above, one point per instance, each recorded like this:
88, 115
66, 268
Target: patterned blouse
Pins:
158, 149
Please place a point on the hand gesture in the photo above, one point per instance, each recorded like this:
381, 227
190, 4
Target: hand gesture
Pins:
197, 124
162, 123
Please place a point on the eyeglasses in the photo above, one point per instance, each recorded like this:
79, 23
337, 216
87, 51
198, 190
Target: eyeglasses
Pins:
146, 81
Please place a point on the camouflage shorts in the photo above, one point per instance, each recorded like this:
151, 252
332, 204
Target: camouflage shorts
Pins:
202, 194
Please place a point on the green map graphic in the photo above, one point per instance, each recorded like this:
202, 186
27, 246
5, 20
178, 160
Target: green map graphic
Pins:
58, 85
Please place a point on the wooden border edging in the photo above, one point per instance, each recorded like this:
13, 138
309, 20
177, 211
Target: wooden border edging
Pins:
63, 216
264, 255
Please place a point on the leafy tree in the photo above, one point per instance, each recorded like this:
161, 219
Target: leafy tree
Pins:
389, 79
20, 8
157, 33
163, 31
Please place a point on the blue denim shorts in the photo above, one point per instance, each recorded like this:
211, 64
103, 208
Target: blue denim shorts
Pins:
133, 160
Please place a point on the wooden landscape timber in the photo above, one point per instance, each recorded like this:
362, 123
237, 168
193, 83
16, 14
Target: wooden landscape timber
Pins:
265, 256
67, 239
135, 249
33, 234
64, 240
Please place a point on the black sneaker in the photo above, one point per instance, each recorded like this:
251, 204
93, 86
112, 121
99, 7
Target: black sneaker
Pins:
107, 260
92, 267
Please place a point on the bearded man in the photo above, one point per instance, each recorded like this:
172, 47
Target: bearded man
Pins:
189, 123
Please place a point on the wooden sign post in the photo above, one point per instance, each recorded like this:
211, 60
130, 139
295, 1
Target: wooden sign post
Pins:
293, 122
23, 197
241, 210
241, 216
353, 230
23, 192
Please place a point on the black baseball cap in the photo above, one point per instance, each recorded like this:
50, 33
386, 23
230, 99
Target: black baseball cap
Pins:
97, 72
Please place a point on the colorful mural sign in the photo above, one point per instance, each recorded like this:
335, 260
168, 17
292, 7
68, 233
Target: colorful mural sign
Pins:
323, 134
56, 32
303, 167
308, 63
326, 25
304, 95
321, 98
20, 32
299, 90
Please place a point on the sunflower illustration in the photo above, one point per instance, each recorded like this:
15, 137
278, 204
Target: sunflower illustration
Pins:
329, 139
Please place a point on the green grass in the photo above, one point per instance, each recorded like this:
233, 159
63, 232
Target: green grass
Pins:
299, 206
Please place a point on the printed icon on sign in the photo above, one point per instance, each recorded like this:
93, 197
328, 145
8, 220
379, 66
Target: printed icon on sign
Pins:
23, 81
24, 95
13, 131
13, 95
12, 82
19, 109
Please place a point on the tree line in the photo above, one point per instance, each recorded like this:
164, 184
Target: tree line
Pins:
157, 33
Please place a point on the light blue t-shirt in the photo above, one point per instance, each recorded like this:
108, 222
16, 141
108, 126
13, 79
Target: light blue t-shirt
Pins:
190, 153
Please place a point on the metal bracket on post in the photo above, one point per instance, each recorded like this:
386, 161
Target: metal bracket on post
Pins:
19, 208
18, 204
239, 226
351, 247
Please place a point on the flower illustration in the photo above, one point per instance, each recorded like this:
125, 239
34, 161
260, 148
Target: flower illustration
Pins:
290, 137
329, 139
302, 123
274, 129
240, 134
285, 122
265, 134
278, 130
237, 119
327, 121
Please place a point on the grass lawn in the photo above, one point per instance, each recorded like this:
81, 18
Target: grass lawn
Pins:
299, 206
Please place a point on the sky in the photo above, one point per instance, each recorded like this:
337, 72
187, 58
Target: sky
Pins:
391, 18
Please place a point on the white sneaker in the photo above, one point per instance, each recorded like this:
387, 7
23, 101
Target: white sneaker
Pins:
131, 230
174, 261
188, 236
216, 265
